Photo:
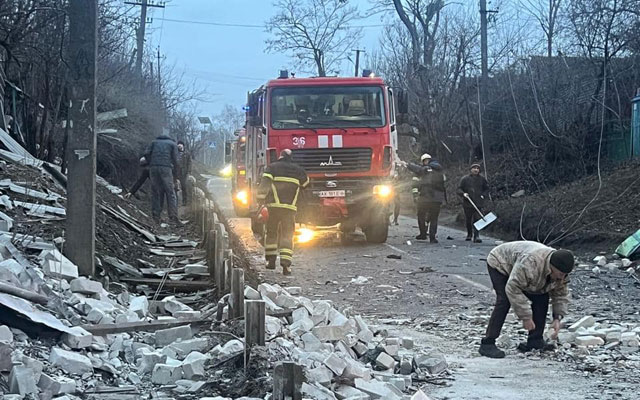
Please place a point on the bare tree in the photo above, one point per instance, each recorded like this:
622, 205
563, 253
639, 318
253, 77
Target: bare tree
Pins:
316, 33
547, 14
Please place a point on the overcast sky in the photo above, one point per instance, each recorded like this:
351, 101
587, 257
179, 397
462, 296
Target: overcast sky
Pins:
228, 60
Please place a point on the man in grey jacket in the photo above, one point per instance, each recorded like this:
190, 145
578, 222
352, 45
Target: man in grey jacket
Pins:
526, 276
162, 155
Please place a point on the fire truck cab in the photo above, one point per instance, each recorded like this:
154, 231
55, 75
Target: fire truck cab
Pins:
342, 131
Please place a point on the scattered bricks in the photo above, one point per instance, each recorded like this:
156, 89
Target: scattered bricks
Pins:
317, 392
365, 335
385, 361
21, 381
58, 266
329, 333
268, 291
70, 362
5, 334
379, 390
600, 260
193, 365
434, 362
301, 326
149, 359
294, 290
335, 364
341, 347
630, 339
86, 286
139, 305
299, 314
187, 314
343, 392
584, 322
360, 349
321, 375
5, 357
168, 336
336, 318
171, 305
589, 341
355, 369
286, 301
391, 350
57, 385
164, 374
183, 348
270, 305
251, 294
97, 316
407, 343
406, 366
311, 343
613, 337
77, 338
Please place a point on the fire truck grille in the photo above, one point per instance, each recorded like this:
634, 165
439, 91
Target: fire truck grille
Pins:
333, 160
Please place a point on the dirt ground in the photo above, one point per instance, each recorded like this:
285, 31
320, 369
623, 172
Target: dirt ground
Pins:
440, 295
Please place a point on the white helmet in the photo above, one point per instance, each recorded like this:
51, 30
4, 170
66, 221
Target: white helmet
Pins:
425, 156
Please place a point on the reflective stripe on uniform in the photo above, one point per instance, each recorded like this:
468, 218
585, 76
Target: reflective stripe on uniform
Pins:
285, 257
286, 251
267, 175
305, 183
286, 179
280, 205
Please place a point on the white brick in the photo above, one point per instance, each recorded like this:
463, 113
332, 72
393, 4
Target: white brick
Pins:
385, 361
21, 381
584, 322
299, 313
58, 266
164, 374
139, 305
317, 392
269, 291
301, 326
294, 290
335, 364
251, 294
343, 392
193, 365
6, 335
329, 333
355, 369
321, 375
286, 301
57, 385
311, 343
77, 338
379, 390
168, 336
589, 341
149, 359
181, 349
70, 362
407, 343
86, 286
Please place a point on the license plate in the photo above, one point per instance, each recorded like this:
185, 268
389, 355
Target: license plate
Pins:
331, 193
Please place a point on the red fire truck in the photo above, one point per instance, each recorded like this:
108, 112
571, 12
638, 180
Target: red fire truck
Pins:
239, 188
342, 131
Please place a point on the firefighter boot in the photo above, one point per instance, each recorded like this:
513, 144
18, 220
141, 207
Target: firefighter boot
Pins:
286, 270
489, 349
271, 264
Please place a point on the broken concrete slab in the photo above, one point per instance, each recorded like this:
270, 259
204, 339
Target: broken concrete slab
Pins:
171, 305
179, 350
5, 357
149, 359
77, 338
56, 385
286, 301
355, 370
6, 335
433, 362
56, 265
12, 265
193, 365
167, 336
70, 362
269, 291
21, 381
294, 290
335, 364
139, 305
251, 294
317, 392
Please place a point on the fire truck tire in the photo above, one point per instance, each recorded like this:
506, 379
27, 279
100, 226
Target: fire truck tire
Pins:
377, 232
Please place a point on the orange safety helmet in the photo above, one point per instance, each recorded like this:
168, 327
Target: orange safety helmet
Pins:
263, 215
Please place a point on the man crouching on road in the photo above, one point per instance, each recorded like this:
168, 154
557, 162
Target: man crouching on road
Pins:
525, 275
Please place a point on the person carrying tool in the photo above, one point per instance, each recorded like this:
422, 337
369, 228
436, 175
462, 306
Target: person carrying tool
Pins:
525, 276
473, 189
280, 189
431, 195
144, 164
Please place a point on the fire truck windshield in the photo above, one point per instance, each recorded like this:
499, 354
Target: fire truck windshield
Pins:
328, 106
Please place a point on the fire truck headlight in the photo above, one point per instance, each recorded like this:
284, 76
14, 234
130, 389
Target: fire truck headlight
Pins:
383, 191
304, 235
242, 197
226, 171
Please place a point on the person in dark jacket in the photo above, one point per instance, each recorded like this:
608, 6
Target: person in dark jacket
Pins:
431, 195
163, 170
473, 187
144, 164
280, 187
184, 160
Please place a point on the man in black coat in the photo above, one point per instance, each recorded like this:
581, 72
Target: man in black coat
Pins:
473, 187
162, 155
431, 195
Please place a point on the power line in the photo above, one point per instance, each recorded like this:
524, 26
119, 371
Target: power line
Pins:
251, 26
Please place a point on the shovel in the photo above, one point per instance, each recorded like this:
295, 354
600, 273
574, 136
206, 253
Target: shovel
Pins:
485, 219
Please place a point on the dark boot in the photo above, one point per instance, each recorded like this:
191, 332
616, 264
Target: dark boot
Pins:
421, 236
271, 264
468, 238
477, 240
286, 270
537, 344
433, 240
489, 349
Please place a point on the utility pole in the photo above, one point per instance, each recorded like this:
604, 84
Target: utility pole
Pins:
81, 141
159, 76
144, 4
358, 51
483, 40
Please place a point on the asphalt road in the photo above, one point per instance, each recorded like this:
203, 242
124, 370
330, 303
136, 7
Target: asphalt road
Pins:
437, 293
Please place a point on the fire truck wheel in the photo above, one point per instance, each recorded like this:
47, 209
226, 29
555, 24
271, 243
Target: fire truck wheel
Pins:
377, 232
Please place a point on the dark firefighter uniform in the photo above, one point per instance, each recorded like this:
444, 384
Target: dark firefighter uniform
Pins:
280, 189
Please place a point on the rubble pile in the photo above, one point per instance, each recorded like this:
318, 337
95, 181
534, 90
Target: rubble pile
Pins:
342, 357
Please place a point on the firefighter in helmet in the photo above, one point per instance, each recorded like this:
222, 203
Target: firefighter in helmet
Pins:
280, 189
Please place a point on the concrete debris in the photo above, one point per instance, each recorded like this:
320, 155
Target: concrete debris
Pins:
21, 381
589, 341
317, 392
86, 286
70, 362
168, 336
164, 374
432, 362
193, 365
584, 322
54, 386
6, 335
139, 305
251, 294
385, 361
56, 265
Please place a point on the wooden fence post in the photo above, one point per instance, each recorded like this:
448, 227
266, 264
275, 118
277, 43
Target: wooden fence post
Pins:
236, 300
254, 326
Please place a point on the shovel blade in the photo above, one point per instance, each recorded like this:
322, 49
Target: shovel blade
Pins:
484, 222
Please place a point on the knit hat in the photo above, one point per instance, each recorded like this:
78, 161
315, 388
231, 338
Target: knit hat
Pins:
562, 260
475, 165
